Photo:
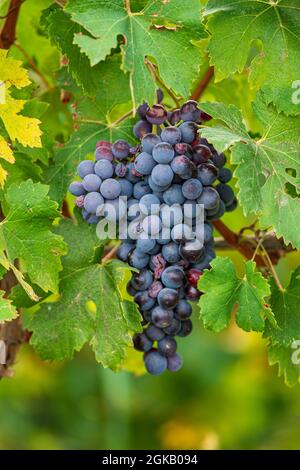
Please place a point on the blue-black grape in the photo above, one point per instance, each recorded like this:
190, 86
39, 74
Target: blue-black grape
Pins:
167, 298
76, 188
209, 198
149, 141
92, 201
91, 182
142, 128
173, 195
167, 346
162, 175
86, 167
137, 259
226, 193
225, 175
174, 363
144, 301
171, 252
110, 188
104, 169
155, 363
183, 310
142, 280
207, 173
172, 135
144, 163
173, 277
142, 342
163, 152
173, 328
192, 188
154, 333
188, 131
145, 245
162, 317
186, 328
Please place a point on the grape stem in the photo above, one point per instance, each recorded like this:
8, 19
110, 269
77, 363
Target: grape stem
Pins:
111, 254
203, 83
8, 31
154, 72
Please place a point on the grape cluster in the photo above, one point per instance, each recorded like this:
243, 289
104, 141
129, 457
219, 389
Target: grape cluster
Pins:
165, 179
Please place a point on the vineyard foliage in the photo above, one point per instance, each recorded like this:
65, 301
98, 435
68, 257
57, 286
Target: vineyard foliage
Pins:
76, 74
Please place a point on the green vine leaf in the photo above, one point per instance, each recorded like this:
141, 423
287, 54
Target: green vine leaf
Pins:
224, 290
7, 310
275, 24
90, 308
268, 169
26, 235
162, 30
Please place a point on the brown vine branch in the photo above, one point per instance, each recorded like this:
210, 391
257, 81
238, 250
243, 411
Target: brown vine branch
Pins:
203, 83
8, 31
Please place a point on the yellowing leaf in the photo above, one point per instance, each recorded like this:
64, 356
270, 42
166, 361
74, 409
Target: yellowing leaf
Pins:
21, 128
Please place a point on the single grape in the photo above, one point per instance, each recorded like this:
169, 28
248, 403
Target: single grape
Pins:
130, 176
201, 154
181, 232
154, 333
157, 114
192, 188
126, 187
183, 167
142, 110
162, 317
226, 193
188, 131
173, 277
170, 216
208, 232
155, 187
140, 189
183, 149
171, 134
142, 280
162, 175
120, 149
225, 175
171, 252
186, 328
191, 251
142, 342
189, 111
145, 245
207, 173
174, 117
86, 167
155, 289
183, 310
192, 293
91, 182
215, 214
209, 198
137, 259
110, 188
124, 249
142, 128
151, 225
173, 195
144, 301
174, 363
92, 201
149, 141
163, 152
76, 188
167, 298
174, 328
218, 159
155, 363
121, 170
167, 346
129, 288
144, 163
231, 207
104, 169
114, 210
149, 204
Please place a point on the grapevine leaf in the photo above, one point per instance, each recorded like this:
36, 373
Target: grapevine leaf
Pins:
283, 357
163, 30
94, 123
20, 128
236, 25
25, 234
90, 307
268, 169
7, 310
61, 30
223, 290
285, 305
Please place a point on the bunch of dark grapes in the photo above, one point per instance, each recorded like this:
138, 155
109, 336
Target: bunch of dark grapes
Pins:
171, 166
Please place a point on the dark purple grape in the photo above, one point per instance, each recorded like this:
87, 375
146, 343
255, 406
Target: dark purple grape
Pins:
142, 280
201, 153
142, 128
154, 333
155, 363
142, 110
167, 346
144, 301
120, 149
167, 298
174, 328
162, 317
174, 117
157, 114
183, 310
174, 363
225, 175
192, 293
186, 328
141, 342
